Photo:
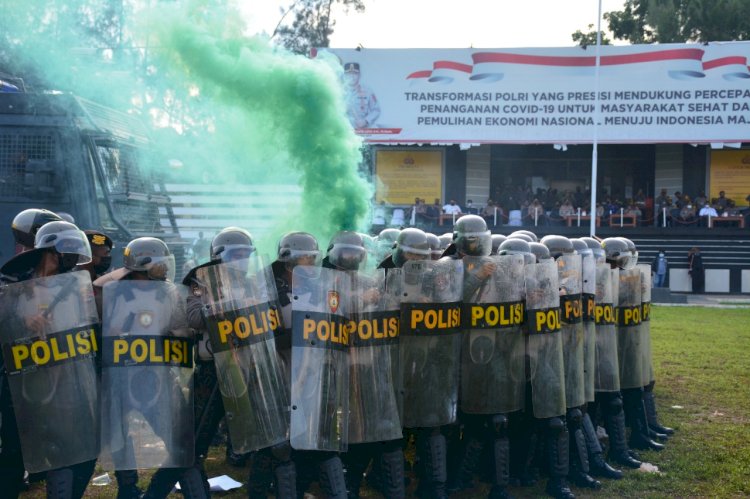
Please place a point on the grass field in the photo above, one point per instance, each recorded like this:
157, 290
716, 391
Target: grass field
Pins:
701, 357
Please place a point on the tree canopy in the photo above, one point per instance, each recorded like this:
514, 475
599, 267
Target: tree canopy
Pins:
680, 21
312, 23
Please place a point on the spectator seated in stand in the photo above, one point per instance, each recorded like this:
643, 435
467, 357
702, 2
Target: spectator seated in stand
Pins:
722, 202
687, 214
535, 213
706, 211
433, 211
470, 208
567, 209
488, 213
452, 209
633, 210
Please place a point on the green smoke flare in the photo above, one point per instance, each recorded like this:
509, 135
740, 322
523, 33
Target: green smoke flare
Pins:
246, 112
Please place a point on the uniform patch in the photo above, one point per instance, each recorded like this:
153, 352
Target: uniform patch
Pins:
333, 301
145, 319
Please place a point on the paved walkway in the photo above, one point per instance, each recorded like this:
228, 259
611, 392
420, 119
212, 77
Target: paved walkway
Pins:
714, 300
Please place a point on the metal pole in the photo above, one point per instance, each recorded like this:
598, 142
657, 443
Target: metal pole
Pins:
594, 151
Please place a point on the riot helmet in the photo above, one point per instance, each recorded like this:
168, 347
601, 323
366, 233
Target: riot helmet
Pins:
595, 247
412, 244
521, 236
387, 237
633, 250
533, 236
516, 246
497, 240
346, 251
232, 243
558, 245
471, 236
151, 256
582, 248
617, 253
67, 240
445, 240
26, 224
435, 250
540, 251
298, 248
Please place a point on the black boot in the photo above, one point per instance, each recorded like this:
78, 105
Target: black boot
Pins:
501, 451
192, 485
650, 404
579, 456
636, 417
285, 471
332, 478
286, 480
260, 474
614, 421
434, 456
557, 457
162, 483
127, 484
597, 465
471, 454
392, 475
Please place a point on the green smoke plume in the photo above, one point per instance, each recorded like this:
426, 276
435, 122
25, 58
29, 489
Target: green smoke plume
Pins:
233, 108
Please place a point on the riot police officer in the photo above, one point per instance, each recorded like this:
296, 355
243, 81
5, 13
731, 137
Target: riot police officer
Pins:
140, 299
634, 353
608, 397
544, 348
570, 274
605, 352
101, 253
374, 434
320, 398
492, 360
24, 228
54, 403
26, 224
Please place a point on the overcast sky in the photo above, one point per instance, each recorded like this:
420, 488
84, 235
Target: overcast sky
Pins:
451, 23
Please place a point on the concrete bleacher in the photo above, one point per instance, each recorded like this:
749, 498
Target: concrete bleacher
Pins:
208, 208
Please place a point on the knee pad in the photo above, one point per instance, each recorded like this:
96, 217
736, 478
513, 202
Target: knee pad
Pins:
555, 425
499, 425
615, 403
575, 416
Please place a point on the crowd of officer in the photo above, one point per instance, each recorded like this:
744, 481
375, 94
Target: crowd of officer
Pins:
496, 356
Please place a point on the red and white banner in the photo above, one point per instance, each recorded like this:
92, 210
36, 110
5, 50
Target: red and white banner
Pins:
643, 94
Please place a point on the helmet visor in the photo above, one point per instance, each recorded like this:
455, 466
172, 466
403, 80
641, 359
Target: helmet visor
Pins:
231, 252
347, 256
159, 268
74, 244
299, 257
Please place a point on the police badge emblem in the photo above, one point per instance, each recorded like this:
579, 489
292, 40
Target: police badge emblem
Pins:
145, 319
333, 301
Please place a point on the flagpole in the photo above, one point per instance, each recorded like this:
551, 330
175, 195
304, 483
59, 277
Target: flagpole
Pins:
594, 149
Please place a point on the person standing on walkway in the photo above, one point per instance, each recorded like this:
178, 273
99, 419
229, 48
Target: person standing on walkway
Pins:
659, 268
696, 271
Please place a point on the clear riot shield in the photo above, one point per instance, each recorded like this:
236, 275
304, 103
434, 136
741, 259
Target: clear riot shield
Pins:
374, 374
147, 367
545, 342
570, 276
629, 342
430, 344
493, 376
588, 298
49, 341
607, 373
648, 366
321, 305
242, 316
